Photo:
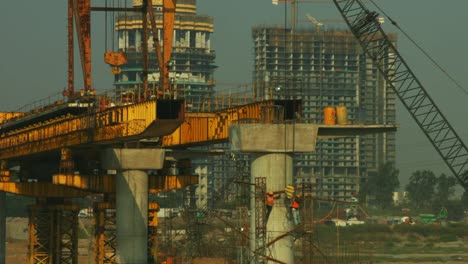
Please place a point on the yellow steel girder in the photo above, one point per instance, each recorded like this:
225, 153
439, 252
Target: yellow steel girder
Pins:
199, 128
41, 189
106, 183
66, 131
5, 116
123, 122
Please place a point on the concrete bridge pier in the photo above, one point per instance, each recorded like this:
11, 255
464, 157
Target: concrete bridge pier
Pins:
130, 166
272, 146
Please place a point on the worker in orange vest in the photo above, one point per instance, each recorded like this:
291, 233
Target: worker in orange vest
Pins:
295, 205
269, 202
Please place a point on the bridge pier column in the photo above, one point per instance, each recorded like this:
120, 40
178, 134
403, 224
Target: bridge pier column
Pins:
132, 216
272, 146
131, 182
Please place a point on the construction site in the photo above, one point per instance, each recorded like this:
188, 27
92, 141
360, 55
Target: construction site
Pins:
163, 168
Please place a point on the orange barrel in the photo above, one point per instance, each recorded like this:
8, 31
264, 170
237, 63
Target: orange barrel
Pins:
329, 115
341, 115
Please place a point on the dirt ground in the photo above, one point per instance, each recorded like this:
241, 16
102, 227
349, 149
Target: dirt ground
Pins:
17, 251
17, 242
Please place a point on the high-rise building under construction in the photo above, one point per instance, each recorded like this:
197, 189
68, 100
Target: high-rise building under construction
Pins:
192, 61
328, 69
323, 69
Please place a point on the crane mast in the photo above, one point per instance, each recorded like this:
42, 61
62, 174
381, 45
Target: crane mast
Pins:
365, 26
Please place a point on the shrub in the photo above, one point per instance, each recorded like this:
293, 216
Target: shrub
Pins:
411, 244
389, 244
447, 238
369, 228
429, 245
412, 237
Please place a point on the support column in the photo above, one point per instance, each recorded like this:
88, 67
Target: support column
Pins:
278, 170
132, 199
132, 216
272, 146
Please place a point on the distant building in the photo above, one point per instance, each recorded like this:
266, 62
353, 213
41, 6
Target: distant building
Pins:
324, 69
399, 197
192, 64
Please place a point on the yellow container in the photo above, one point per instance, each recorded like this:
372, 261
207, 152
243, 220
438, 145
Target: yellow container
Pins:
341, 115
329, 115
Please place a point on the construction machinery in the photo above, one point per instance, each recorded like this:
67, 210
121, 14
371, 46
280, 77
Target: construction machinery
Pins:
366, 26
317, 24
433, 218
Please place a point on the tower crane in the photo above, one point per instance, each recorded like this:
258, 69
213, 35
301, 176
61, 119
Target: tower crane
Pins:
366, 27
163, 56
317, 24
79, 15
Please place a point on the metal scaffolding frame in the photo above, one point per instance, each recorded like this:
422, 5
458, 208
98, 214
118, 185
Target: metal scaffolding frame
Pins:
260, 217
105, 233
53, 236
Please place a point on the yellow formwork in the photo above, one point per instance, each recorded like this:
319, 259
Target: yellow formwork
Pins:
200, 128
5, 116
110, 124
41, 189
118, 123
158, 183
106, 183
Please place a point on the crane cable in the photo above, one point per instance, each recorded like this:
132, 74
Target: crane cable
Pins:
459, 86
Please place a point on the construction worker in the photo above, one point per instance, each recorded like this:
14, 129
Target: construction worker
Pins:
269, 202
295, 205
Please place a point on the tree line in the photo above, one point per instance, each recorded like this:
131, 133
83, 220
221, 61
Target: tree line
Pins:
425, 191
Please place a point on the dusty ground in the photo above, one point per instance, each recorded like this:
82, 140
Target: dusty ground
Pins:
448, 252
17, 243
17, 251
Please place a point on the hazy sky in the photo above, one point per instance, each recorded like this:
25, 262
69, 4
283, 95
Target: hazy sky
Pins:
33, 55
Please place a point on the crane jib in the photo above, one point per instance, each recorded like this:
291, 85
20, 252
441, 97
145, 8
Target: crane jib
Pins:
365, 25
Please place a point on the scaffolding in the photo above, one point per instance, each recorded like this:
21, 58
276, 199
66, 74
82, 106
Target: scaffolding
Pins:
105, 233
260, 218
53, 236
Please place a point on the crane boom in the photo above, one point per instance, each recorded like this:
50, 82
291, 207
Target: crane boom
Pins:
365, 26
315, 21
156, 44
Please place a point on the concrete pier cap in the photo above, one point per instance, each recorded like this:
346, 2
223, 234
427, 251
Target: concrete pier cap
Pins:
133, 159
273, 138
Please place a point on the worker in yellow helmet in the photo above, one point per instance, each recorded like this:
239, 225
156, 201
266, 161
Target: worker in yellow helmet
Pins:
295, 206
